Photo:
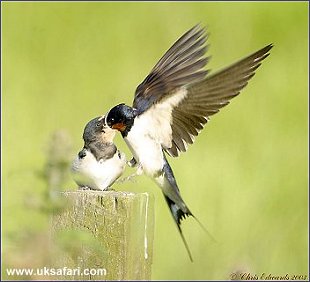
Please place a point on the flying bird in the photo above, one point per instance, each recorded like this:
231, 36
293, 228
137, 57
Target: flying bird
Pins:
99, 164
173, 104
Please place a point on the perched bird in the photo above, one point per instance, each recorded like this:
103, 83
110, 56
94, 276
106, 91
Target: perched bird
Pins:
172, 105
99, 164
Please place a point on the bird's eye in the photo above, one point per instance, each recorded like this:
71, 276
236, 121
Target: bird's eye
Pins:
98, 124
112, 119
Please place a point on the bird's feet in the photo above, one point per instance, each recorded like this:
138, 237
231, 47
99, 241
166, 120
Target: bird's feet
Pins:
131, 177
84, 188
132, 162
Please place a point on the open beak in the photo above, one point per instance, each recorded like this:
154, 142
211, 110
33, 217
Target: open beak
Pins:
103, 117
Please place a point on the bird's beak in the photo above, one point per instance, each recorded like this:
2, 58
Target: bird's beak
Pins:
103, 117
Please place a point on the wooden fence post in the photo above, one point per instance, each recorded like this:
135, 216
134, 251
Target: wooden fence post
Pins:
109, 230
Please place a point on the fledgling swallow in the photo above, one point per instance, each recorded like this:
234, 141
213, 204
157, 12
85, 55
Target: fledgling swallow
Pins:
99, 164
172, 105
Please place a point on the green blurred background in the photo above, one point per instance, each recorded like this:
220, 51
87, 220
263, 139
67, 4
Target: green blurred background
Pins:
245, 177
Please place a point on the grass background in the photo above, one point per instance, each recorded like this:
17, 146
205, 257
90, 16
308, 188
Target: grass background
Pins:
246, 175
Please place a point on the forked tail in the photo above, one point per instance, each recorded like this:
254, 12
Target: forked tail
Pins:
178, 215
177, 206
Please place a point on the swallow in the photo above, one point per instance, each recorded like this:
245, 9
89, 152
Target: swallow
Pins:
173, 104
99, 164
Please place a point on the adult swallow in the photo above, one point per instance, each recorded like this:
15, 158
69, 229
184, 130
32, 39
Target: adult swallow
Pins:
99, 164
172, 105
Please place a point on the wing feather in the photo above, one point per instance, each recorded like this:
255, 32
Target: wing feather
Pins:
177, 99
182, 64
208, 96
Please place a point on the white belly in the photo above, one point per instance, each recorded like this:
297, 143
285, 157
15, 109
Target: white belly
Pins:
146, 151
97, 175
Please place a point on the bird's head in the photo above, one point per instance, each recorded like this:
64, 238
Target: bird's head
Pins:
96, 130
120, 117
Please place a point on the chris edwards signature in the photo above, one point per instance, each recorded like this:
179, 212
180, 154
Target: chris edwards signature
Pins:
266, 276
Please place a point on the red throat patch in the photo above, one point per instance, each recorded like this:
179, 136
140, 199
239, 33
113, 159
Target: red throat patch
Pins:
119, 126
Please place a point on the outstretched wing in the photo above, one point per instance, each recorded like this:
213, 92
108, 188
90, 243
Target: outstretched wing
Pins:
206, 97
176, 99
182, 64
